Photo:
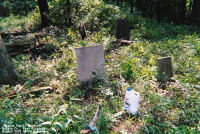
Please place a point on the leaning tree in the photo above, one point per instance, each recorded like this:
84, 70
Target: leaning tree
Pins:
8, 74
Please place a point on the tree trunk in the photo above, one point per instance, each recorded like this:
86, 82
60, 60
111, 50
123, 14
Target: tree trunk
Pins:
196, 12
190, 6
183, 10
44, 12
8, 74
68, 6
131, 6
158, 10
138, 4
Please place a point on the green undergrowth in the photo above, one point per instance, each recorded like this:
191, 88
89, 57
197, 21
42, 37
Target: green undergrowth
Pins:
67, 107
19, 23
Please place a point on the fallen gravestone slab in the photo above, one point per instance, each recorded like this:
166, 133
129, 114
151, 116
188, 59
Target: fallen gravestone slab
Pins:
122, 29
91, 64
119, 42
165, 71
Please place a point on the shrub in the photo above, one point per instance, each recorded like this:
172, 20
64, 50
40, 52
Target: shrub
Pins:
94, 14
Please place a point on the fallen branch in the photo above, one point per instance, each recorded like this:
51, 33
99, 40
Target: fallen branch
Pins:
41, 89
25, 51
42, 48
120, 42
35, 92
14, 47
92, 124
6, 35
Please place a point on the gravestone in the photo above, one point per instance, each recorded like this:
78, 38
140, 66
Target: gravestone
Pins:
165, 71
122, 29
91, 64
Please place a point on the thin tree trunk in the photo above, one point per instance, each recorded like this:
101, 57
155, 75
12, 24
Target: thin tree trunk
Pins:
138, 4
69, 20
8, 74
131, 6
158, 11
196, 12
44, 12
190, 6
183, 10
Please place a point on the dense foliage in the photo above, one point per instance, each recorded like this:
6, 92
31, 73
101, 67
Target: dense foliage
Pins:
16, 7
63, 107
95, 15
176, 11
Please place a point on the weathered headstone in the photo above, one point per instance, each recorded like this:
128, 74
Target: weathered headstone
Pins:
91, 64
165, 71
122, 29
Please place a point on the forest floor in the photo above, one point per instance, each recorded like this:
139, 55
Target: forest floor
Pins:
49, 93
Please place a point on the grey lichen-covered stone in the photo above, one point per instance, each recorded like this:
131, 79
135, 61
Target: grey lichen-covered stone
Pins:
91, 64
165, 71
122, 29
8, 74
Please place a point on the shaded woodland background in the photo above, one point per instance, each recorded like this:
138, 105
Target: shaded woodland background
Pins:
176, 11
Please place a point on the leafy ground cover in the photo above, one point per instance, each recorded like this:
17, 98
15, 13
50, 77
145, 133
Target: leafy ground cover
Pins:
66, 108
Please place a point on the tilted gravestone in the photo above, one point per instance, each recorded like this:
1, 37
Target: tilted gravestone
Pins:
91, 64
165, 71
122, 29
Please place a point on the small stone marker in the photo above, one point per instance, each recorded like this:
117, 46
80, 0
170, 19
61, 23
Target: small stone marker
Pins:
122, 29
91, 64
165, 71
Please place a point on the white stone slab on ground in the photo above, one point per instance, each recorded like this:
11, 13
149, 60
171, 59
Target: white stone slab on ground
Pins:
91, 63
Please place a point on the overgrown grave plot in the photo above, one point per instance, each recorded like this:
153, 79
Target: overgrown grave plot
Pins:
165, 75
122, 33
